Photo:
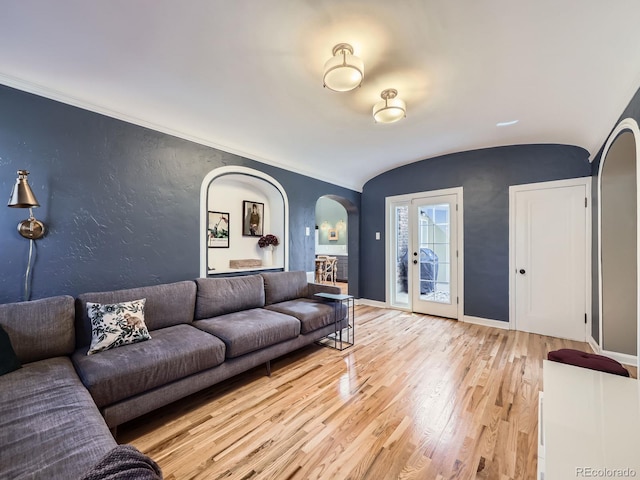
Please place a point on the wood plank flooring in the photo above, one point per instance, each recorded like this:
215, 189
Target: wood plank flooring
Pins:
417, 397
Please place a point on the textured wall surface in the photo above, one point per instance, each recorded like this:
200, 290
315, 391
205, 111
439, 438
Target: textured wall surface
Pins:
121, 202
485, 176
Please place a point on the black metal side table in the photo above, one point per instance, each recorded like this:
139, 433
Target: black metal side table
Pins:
344, 333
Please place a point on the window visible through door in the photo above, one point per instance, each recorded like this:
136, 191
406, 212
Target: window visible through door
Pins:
434, 252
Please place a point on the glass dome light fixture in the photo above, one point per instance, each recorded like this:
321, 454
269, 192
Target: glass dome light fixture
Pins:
391, 108
344, 71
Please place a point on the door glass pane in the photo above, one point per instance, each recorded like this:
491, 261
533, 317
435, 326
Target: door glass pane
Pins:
435, 253
401, 221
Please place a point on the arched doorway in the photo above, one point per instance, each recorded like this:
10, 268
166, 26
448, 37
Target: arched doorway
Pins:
336, 235
618, 243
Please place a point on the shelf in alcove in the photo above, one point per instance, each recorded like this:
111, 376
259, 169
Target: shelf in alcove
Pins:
227, 271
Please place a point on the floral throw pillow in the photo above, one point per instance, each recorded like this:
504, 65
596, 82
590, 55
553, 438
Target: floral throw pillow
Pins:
117, 324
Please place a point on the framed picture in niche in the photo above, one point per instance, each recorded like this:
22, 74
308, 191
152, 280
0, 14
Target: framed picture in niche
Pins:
333, 234
218, 230
252, 225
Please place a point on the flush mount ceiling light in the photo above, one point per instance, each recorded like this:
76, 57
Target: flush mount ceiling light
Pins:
344, 71
391, 108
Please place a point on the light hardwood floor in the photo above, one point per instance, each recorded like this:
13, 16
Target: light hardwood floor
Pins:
417, 397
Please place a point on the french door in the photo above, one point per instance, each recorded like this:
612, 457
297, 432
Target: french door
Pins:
424, 252
434, 256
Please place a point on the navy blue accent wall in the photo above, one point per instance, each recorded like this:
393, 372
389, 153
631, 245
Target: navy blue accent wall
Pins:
485, 176
632, 111
121, 202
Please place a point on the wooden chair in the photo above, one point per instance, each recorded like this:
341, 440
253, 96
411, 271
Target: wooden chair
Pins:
330, 270
321, 262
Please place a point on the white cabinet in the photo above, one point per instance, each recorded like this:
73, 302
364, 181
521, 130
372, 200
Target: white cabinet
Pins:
589, 424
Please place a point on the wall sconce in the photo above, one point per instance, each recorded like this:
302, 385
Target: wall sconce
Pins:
22, 197
390, 109
344, 71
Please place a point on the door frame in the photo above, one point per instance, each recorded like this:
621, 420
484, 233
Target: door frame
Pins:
572, 182
390, 261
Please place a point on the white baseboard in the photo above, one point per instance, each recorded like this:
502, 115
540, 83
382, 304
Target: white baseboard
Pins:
371, 303
486, 322
593, 344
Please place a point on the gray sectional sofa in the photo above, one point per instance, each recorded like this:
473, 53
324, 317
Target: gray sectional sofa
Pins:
50, 426
56, 412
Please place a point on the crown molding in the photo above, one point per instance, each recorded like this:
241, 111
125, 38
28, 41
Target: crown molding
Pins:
67, 99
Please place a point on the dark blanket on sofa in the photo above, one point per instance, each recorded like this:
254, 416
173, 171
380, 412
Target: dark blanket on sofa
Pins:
124, 462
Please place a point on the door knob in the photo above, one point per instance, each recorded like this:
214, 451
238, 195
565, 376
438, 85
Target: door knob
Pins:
522, 271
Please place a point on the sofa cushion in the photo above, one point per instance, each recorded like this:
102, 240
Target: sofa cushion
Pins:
173, 353
218, 296
8, 359
250, 330
40, 329
166, 305
283, 286
116, 324
312, 314
49, 426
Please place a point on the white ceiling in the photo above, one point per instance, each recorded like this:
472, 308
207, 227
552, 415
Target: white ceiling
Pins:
245, 76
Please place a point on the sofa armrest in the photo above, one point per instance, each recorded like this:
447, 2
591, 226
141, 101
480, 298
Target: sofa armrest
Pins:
321, 288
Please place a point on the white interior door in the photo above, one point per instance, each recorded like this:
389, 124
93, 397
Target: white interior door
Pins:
550, 259
433, 260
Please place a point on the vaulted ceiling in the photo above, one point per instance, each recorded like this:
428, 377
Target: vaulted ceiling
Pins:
245, 76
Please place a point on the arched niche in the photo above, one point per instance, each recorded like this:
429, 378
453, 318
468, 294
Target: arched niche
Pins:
224, 190
618, 245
